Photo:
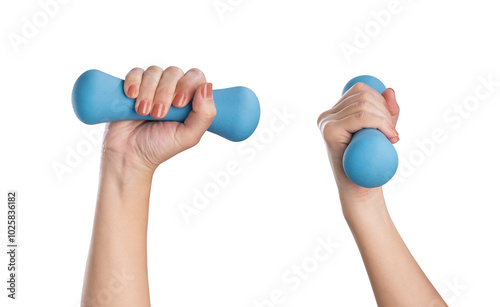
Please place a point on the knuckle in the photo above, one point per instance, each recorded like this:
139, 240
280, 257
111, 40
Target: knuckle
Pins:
386, 122
197, 72
362, 105
364, 95
154, 69
382, 122
208, 117
165, 92
187, 140
192, 141
137, 70
363, 116
212, 113
147, 92
358, 87
320, 119
174, 70
134, 75
323, 121
330, 132
162, 96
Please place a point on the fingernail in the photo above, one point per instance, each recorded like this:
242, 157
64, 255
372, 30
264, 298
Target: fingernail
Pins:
157, 110
138, 106
179, 100
143, 108
396, 133
132, 91
394, 139
207, 91
393, 92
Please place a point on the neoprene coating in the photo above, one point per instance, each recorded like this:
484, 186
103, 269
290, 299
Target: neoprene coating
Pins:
370, 159
98, 98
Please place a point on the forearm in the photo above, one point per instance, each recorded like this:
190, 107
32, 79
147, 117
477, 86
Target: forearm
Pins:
396, 278
116, 273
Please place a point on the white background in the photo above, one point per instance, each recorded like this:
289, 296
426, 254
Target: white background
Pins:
271, 214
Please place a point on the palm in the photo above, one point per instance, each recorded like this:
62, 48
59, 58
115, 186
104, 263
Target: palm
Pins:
147, 144
338, 135
336, 158
153, 142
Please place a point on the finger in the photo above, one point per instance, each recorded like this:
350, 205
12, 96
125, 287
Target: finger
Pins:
362, 87
150, 80
361, 120
133, 82
392, 105
362, 106
199, 119
165, 91
360, 92
366, 99
187, 86
360, 101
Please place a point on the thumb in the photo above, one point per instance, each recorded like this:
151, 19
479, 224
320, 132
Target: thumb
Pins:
392, 105
199, 119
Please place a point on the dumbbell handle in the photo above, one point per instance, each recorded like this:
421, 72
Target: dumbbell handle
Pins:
98, 98
370, 159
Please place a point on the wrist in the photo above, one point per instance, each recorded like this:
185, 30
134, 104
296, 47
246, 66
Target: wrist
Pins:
125, 164
123, 175
365, 205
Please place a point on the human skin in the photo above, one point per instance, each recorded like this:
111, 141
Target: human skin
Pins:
395, 276
116, 272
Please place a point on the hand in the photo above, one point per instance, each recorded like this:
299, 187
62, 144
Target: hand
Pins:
360, 107
395, 276
146, 144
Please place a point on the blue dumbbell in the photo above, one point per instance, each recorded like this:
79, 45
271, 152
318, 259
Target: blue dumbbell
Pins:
370, 159
99, 98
